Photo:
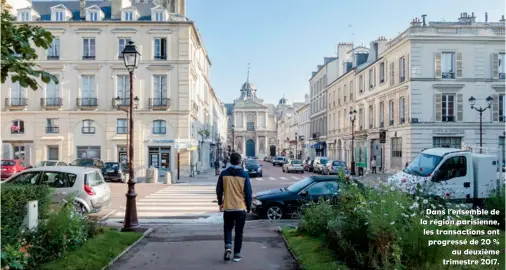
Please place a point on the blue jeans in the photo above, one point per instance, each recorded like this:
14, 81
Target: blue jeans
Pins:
233, 219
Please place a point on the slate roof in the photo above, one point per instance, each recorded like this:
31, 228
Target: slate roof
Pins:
44, 9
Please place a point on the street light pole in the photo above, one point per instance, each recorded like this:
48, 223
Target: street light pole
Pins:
296, 146
472, 101
131, 59
353, 114
233, 138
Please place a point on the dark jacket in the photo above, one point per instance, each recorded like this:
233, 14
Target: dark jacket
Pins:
233, 189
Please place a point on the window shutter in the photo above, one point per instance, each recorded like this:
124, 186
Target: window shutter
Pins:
460, 108
437, 66
7, 151
396, 111
392, 73
459, 65
495, 108
407, 70
495, 66
439, 116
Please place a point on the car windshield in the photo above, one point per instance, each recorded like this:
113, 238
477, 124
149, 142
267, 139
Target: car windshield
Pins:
296, 162
300, 185
111, 165
324, 161
82, 162
251, 162
339, 164
47, 163
423, 165
279, 158
8, 163
94, 179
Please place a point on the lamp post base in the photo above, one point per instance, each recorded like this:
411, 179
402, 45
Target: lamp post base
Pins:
352, 171
131, 222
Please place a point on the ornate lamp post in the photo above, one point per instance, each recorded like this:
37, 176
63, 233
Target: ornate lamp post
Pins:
233, 138
353, 116
119, 105
472, 101
296, 146
131, 58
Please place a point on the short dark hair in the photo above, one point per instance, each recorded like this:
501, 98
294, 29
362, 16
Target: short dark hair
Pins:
235, 159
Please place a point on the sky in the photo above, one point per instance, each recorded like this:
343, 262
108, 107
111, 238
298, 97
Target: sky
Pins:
284, 40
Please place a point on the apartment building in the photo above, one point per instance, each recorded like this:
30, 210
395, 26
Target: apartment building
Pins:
303, 114
177, 115
416, 87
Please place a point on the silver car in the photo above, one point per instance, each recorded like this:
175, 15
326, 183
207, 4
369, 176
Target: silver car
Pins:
293, 165
91, 192
51, 163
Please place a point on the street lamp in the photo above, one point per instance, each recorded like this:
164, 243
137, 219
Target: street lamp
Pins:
119, 105
233, 138
353, 116
296, 144
131, 57
472, 101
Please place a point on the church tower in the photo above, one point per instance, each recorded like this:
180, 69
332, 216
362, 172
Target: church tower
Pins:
248, 90
173, 6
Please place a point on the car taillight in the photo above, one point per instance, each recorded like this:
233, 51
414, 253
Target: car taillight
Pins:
11, 169
89, 190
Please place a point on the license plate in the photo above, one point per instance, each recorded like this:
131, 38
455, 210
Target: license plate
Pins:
110, 170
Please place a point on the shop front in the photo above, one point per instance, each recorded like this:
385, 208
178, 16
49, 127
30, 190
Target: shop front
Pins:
160, 155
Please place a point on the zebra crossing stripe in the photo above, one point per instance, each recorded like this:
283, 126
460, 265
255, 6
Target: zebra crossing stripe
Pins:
272, 178
282, 178
296, 178
260, 179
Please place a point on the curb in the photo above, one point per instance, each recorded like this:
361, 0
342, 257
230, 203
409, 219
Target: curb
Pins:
146, 233
297, 262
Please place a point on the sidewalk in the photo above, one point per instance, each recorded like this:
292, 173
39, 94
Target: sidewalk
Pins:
370, 178
197, 247
206, 178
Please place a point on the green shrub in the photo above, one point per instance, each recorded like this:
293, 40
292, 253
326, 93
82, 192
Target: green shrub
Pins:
13, 203
497, 201
316, 216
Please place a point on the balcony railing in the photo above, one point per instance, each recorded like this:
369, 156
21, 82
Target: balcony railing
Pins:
159, 103
88, 57
159, 130
16, 102
87, 102
160, 57
51, 102
121, 130
122, 102
448, 118
88, 130
53, 129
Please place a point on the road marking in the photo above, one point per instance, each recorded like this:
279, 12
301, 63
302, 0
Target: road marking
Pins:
272, 178
295, 177
178, 200
177, 203
259, 179
282, 178
195, 212
201, 208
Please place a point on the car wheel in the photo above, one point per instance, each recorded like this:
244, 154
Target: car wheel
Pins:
260, 175
79, 208
274, 212
302, 172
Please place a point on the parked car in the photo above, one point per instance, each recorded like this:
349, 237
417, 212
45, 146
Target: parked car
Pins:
50, 163
319, 163
279, 161
9, 167
268, 159
91, 192
284, 202
293, 165
88, 162
252, 167
333, 167
309, 165
115, 171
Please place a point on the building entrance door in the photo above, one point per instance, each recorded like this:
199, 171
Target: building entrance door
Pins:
159, 157
250, 148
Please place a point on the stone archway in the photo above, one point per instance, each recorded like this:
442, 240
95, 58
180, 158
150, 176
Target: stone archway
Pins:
250, 148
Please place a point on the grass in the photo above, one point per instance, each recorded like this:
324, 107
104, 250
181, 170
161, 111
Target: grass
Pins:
310, 252
95, 253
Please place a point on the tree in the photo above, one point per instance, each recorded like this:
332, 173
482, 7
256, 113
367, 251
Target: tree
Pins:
18, 55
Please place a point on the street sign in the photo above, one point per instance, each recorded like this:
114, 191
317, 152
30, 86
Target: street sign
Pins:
383, 136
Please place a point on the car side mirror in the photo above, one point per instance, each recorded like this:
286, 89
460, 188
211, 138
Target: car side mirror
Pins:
303, 193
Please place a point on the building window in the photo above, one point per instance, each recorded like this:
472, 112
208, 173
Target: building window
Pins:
52, 94
371, 78
88, 127
397, 147
390, 112
24, 16
53, 153
159, 127
93, 15
129, 16
382, 114
361, 118
88, 152
502, 69
59, 16
88, 48
123, 90
18, 127
159, 90
351, 90
502, 108
447, 142
53, 53
52, 125
158, 16
250, 126
402, 110
371, 116
361, 83
402, 69
88, 91
448, 65
344, 93
160, 48
382, 72
122, 42
121, 126
448, 107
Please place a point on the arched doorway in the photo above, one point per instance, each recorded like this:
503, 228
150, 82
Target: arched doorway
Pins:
273, 150
250, 148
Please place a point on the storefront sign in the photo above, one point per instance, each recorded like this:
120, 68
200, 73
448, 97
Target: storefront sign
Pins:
448, 131
161, 141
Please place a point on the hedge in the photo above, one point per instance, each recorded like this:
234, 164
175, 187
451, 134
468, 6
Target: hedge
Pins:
13, 205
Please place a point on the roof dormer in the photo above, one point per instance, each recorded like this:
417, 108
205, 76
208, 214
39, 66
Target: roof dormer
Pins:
129, 14
60, 13
159, 14
27, 15
94, 14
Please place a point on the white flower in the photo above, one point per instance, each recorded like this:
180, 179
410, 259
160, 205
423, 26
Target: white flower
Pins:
385, 215
414, 214
392, 223
392, 188
383, 201
425, 201
414, 205
366, 223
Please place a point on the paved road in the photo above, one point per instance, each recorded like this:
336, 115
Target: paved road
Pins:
160, 203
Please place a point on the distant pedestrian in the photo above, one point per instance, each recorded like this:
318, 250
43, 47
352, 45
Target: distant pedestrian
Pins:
234, 198
217, 167
373, 165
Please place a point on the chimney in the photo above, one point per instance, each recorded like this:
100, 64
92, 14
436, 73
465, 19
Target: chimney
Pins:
82, 11
502, 19
423, 20
117, 6
486, 17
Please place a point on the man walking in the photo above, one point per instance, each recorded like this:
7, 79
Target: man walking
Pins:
373, 165
234, 198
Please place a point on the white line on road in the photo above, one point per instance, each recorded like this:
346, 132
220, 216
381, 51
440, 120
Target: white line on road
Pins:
188, 200
165, 214
201, 208
209, 203
295, 177
282, 178
272, 178
259, 179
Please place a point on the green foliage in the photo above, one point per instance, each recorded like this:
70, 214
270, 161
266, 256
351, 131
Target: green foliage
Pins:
16, 255
497, 202
316, 217
18, 52
13, 203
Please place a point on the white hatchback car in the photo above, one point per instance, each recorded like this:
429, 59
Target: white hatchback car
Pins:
91, 192
293, 165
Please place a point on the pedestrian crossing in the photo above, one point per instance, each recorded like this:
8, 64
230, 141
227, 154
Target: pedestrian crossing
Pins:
177, 201
279, 178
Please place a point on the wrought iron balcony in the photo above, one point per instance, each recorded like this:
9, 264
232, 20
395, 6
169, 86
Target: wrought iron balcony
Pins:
53, 57
51, 103
159, 103
53, 129
88, 130
88, 57
87, 103
123, 102
14, 103
448, 118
